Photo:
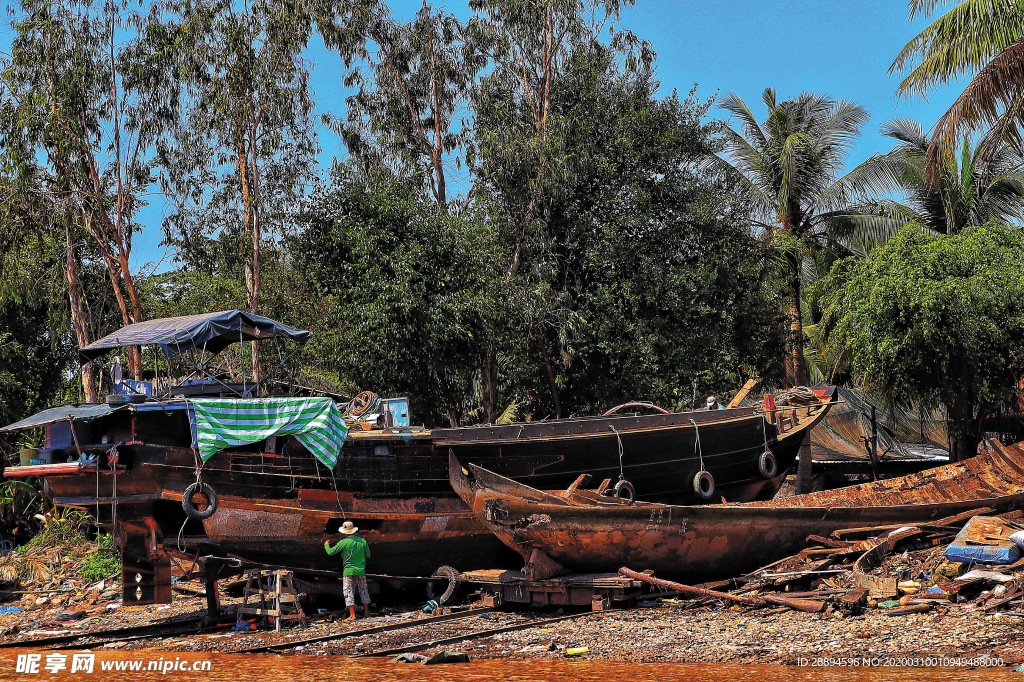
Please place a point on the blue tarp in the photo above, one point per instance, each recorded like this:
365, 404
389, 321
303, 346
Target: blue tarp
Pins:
977, 543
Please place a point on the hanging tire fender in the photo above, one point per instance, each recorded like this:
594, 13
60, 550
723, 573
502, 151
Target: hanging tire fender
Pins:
704, 485
624, 490
190, 508
767, 466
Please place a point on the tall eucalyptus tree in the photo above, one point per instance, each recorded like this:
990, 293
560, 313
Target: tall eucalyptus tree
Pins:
244, 152
519, 155
410, 93
91, 94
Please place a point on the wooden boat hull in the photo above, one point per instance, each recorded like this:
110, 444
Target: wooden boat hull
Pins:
584, 533
280, 506
658, 454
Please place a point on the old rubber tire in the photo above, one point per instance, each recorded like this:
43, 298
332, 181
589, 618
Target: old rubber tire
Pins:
190, 509
624, 490
704, 485
454, 583
767, 465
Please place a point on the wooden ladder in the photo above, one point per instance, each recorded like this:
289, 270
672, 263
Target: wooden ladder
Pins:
276, 590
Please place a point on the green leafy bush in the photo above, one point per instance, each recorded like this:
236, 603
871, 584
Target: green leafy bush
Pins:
103, 563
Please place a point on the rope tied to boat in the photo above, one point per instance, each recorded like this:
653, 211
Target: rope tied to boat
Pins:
697, 447
337, 496
190, 413
622, 474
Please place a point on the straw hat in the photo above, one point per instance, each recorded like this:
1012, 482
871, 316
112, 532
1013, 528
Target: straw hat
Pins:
347, 528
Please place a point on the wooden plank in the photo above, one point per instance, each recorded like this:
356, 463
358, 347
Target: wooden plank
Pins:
743, 392
580, 480
855, 597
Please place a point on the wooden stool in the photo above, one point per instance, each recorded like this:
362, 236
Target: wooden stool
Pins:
275, 589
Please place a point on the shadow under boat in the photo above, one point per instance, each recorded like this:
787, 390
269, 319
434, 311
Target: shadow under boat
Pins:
577, 530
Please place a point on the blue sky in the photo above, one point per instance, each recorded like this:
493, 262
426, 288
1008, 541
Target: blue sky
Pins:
842, 49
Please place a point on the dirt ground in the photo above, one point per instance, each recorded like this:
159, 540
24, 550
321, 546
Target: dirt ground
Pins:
661, 630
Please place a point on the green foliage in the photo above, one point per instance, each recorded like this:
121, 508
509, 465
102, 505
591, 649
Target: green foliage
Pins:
639, 281
410, 290
985, 184
32, 361
102, 563
62, 527
936, 321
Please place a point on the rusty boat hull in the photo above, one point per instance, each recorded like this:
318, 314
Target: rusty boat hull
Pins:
278, 505
579, 531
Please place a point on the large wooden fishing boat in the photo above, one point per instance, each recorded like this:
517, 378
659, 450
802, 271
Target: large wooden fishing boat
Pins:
141, 466
579, 530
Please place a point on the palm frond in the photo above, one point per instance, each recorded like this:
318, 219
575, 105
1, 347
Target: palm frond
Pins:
961, 41
998, 88
738, 108
863, 228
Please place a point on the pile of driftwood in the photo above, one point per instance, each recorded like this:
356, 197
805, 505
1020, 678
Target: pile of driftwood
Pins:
900, 570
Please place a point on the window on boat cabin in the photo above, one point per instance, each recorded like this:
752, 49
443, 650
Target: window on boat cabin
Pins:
163, 427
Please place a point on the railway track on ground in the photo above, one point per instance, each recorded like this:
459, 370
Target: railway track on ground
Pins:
359, 632
489, 632
102, 634
193, 626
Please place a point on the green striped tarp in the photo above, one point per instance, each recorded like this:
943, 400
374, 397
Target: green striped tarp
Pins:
225, 423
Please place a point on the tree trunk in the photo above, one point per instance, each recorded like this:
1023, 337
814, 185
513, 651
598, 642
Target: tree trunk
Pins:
134, 352
78, 321
796, 369
442, 190
805, 468
490, 386
551, 374
964, 433
251, 220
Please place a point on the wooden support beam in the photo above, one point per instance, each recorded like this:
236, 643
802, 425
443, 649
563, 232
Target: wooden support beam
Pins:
743, 392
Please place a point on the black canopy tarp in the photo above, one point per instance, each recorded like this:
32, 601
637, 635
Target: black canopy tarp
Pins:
212, 331
64, 413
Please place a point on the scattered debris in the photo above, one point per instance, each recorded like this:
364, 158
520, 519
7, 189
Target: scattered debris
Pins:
448, 657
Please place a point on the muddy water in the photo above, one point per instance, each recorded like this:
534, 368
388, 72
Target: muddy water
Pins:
271, 668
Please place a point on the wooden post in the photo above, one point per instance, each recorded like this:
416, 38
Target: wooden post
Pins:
874, 445
804, 470
212, 569
278, 575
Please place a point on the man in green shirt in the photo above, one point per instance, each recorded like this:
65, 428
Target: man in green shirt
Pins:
354, 553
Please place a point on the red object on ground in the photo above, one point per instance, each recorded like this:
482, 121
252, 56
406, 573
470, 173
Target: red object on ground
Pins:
769, 402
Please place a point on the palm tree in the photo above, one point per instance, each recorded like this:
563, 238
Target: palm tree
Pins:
789, 169
980, 38
985, 184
